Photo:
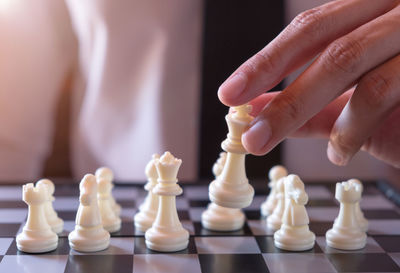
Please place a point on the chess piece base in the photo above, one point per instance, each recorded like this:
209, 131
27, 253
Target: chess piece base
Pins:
294, 238
90, 240
30, 244
168, 241
346, 239
231, 196
222, 219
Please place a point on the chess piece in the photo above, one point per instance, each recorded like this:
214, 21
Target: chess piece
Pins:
232, 189
167, 233
144, 219
37, 235
274, 221
55, 222
346, 233
89, 234
294, 234
111, 221
221, 218
106, 173
276, 173
362, 222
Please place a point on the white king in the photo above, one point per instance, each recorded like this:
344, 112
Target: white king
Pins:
167, 233
232, 189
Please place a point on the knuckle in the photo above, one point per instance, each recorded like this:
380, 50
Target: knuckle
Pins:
259, 63
343, 55
376, 89
290, 106
308, 22
345, 142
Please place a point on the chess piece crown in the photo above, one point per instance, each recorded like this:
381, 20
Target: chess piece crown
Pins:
167, 168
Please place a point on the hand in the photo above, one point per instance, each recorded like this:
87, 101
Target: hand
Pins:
356, 44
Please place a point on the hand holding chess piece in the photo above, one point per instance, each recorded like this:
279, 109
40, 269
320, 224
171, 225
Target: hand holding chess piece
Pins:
294, 234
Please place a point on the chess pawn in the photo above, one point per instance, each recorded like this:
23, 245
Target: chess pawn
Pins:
362, 222
144, 219
294, 234
106, 173
346, 233
55, 222
221, 218
232, 189
167, 233
37, 235
89, 234
111, 222
276, 173
274, 221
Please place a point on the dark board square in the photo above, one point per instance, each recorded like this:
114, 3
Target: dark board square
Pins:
140, 247
381, 214
67, 215
320, 228
9, 230
127, 203
199, 230
127, 229
266, 245
198, 203
183, 215
388, 243
233, 263
363, 262
252, 214
322, 203
12, 204
62, 249
99, 263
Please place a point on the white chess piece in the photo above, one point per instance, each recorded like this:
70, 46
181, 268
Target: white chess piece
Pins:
294, 234
106, 173
144, 219
362, 222
232, 189
274, 221
55, 222
276, 173
111, 221
37, 235
167, 233
221, 218
89, 234
346, 233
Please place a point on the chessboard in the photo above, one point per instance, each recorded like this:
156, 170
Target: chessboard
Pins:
250, 249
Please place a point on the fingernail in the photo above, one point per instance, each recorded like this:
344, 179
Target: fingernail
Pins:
257, 136
335, 157
233, 87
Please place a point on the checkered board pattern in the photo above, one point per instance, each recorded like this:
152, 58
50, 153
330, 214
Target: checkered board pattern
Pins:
250, 249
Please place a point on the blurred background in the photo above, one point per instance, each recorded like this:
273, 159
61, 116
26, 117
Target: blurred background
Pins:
85, 84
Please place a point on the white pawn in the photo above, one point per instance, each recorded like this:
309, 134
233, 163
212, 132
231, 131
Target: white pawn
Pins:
294, 234
346, 233
89, 234
55, 222
111, 221
167, 233
276, 173
362, 222
274, 221
144, 219
37, 235
221, 218
106, 173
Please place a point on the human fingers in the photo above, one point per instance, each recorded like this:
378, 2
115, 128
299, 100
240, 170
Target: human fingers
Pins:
308, 34
375, 97
336, 69
261, 101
